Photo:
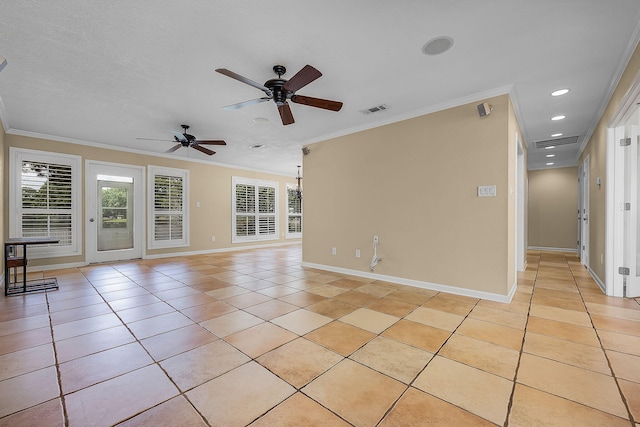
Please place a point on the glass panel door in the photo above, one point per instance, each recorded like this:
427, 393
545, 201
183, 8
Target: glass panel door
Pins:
115, 214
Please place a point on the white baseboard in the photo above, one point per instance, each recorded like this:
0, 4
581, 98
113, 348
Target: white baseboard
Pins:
545, 248
596, 279
221, 250
419, 284
158, 256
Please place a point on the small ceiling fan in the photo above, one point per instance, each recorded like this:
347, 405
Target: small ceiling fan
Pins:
186, 140
281, 90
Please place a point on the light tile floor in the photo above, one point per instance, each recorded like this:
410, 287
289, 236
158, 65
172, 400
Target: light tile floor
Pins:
252, 338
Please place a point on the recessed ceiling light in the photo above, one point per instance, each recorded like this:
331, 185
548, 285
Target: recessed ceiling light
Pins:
549, 147
556, 134
560, 92
257, 146
260, 120
550, 163
437, 45
550, 155
556, 118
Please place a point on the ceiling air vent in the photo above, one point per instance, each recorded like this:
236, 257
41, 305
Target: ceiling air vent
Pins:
376, 109
557, 141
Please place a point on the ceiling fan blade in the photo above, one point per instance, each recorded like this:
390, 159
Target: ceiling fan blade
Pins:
174, 148
178, 136
245, 103
243, 79
154, 139
210, 142
203, 149
285, 114
302, 78
317, 102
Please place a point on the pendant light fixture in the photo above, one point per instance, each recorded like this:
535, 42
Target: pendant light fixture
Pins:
299, 187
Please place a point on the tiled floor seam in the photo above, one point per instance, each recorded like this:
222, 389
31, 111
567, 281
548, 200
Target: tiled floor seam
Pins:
515, 375
410, 384
137, 340
57, 363
606, 356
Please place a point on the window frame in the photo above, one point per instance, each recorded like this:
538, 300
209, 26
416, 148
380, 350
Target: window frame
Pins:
16, 157
288, 234
152, 242
256, 237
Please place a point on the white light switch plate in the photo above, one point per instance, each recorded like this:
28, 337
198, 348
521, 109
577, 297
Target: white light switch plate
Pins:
486, 191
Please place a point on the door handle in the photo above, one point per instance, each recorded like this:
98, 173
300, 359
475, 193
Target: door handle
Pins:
91, 219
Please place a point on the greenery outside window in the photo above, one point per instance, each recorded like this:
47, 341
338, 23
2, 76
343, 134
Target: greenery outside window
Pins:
294, 213
44, 200
168, 207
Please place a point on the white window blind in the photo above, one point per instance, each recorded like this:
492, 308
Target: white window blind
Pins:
294, 213
169, 213
254, 210
45, 191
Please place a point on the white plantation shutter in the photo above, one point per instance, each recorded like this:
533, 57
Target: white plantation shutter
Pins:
45, 190
254, 210
169, 213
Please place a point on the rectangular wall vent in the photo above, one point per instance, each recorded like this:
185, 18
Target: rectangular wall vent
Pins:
376, 109
557, 141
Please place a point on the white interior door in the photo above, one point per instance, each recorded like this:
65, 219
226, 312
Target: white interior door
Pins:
584, 213
580, 196
521, 235
632, 218
114, 211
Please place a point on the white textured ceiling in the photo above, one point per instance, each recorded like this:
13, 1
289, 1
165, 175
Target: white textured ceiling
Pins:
107, 72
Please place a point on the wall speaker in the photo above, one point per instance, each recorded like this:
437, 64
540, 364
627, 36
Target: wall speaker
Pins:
484, 109
306, 150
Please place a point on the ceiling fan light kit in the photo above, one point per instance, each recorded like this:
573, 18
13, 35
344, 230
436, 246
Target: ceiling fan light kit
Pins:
281, 91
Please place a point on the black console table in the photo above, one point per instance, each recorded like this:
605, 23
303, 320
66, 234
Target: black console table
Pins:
15, 255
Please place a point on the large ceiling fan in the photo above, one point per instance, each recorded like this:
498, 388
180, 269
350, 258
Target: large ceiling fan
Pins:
281, 90
186, 140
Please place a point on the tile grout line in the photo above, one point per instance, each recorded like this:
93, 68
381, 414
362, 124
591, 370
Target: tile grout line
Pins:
57, 364
137, 340
435, 353
515, 375
604, 352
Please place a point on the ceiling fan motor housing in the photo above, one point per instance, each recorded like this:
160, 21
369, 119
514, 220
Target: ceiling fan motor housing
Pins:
277, 90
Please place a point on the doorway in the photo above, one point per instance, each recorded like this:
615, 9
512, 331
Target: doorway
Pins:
626, 264
623, 195
583, 212
521, 235
114, 211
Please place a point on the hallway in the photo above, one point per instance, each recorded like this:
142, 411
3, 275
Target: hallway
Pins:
251, 338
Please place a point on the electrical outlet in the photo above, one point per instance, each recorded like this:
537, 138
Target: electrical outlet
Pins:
334, 251
213, 238
375, 240
357, 253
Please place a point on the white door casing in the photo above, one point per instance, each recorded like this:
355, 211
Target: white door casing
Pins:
113, 175
584, 213
631, 250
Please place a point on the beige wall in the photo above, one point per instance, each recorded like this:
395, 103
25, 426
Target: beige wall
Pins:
414, 184
553, 207
596, 150
209, 184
